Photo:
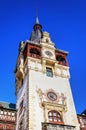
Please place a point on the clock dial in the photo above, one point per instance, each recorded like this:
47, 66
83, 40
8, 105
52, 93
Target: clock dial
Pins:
52, 96
48, 53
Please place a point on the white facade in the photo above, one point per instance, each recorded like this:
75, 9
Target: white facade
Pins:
41, 93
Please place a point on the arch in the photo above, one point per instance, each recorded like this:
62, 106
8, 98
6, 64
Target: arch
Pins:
55, 117
35, 51
60, 58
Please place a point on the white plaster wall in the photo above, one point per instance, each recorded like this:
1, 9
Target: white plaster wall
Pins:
59, 84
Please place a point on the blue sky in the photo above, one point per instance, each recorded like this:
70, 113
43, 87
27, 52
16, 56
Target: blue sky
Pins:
65, 20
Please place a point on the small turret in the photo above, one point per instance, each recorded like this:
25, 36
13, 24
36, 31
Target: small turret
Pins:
37, 33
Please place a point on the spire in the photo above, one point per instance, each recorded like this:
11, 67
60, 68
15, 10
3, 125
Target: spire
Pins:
37, 24
37, 20
37, 33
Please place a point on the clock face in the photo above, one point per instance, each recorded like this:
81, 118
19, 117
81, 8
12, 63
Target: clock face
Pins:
52, 96
48, 53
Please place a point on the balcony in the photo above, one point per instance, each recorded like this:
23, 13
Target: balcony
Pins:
35, 56
49, 126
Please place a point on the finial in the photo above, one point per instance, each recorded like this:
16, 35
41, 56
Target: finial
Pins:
37, 25
37, 19
37, 33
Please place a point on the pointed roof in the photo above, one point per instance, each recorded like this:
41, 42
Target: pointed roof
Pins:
37, 20
37, 33
37, 23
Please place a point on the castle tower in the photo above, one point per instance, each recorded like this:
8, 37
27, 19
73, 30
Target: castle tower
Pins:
44, 98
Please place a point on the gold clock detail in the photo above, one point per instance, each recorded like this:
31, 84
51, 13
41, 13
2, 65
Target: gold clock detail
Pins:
48, 53
52, 96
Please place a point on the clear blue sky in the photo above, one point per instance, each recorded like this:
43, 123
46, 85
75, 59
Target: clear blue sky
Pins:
65, 20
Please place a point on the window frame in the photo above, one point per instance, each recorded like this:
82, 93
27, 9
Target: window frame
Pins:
49, 72
55, 115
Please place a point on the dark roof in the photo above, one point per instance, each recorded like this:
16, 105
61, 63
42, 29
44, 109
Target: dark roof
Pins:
7, 105
84, 112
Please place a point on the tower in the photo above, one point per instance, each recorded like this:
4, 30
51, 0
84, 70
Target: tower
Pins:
44, 98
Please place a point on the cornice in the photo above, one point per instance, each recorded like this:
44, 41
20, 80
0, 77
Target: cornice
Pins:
54, 106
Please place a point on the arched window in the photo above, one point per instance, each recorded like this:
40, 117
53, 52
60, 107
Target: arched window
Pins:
34, 51
55, 117
61, 59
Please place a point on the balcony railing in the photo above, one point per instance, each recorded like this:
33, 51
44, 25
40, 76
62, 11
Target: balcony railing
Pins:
35, 56
49, 126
